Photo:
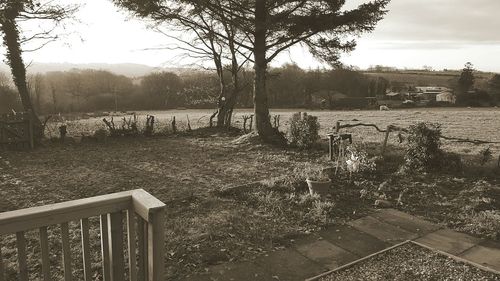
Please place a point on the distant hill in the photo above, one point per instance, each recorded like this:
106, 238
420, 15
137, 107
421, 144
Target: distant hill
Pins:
127, 69
429, 78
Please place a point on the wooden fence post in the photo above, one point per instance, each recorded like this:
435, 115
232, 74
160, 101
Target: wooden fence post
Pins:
386, 138
330, 146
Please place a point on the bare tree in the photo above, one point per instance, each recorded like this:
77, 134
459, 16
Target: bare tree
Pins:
204, 37
4, 80
35, 86
12, 12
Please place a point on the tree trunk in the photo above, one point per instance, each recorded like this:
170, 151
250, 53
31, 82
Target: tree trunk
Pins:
261, 108
221, 104
16, 63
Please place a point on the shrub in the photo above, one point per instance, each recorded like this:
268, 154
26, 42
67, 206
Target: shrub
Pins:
423, 152
357, 155
304, 130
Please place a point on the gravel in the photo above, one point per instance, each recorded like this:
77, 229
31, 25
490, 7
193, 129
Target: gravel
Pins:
411, 262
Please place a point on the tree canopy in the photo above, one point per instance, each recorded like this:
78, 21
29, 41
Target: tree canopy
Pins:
269, 27
467, 79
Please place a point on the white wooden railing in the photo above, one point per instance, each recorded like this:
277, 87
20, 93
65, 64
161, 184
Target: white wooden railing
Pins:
145, 238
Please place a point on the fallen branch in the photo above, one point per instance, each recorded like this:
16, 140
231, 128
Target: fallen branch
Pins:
393, 128
469, 140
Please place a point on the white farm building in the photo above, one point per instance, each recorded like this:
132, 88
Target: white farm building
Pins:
448, 97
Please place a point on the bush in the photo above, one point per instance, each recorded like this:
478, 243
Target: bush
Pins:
423, 152
304, 130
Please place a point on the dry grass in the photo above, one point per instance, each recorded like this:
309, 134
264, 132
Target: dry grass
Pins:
202, 228
206, 226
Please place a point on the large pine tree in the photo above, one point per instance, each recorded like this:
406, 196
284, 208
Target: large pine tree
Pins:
272, 27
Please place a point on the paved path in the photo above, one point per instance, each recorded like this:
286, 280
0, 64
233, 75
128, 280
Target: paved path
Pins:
340, 245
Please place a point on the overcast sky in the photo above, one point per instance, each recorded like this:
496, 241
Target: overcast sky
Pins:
437, 33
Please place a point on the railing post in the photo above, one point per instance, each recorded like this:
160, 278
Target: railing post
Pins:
2, 277
131, 244
21, 256
156, 247
115, 234
105, 249
142, 233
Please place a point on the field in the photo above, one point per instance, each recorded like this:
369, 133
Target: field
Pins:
431, 78
482, 124
233, 201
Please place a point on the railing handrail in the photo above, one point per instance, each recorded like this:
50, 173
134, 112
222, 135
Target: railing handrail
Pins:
139, 200
144, 204
136, 207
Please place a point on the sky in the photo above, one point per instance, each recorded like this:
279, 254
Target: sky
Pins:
442, 34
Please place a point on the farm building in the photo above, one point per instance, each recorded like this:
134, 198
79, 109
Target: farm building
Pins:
430, 93
447, 97
393, 96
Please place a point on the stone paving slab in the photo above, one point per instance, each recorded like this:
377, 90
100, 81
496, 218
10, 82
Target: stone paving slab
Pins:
487, 253
382, 230
449, 241
245, 271
240, 272
406, 221
289, 265
353, 240
339, 245
325, 253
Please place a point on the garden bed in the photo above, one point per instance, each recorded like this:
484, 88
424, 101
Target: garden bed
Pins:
409, 261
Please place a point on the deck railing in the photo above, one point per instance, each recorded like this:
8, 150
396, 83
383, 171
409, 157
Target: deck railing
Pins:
145, 237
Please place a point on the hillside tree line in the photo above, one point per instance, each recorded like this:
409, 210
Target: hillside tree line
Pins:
99, 90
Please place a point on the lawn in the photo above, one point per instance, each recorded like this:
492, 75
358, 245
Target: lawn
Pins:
232, 201
187, 173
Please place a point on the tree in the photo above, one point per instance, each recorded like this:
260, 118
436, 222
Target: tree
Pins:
162, 88
494, 87
273, 26
204, 37
8, 98
286, 86
466, 80
35, 87
11, 13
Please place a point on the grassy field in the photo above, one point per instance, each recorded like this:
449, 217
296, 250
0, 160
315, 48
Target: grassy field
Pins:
232, 201
474, 123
